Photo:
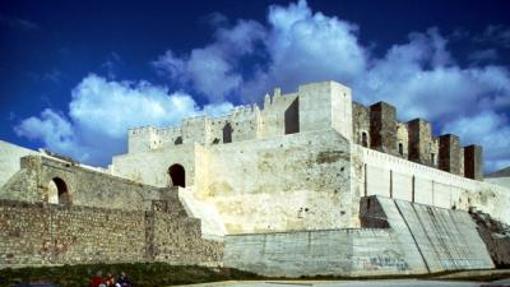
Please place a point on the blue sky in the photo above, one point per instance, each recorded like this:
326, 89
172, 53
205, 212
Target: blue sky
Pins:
74, 75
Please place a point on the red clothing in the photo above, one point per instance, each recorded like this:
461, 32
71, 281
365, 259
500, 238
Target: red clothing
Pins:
95, 281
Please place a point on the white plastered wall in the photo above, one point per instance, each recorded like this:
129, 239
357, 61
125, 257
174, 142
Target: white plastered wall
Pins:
10, 156
378, 173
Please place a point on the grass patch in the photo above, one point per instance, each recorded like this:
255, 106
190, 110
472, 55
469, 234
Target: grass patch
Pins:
141, 274
163, 274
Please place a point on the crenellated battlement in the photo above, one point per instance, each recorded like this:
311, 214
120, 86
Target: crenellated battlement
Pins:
377, 127
318, 106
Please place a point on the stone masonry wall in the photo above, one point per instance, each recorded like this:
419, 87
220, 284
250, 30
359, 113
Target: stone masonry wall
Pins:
383, 129
412, 140
39, 234
473, 162
449, 153
313, 107
281, 183
43, 234
360, 123
420, 141
174, 241
86, 187
402, 140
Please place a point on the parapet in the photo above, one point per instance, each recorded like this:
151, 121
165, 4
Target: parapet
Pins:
319, 106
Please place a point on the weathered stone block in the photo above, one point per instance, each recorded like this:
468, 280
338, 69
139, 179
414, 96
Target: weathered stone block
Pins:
473, 162
420, 141
449, 151
361, 124
383, 127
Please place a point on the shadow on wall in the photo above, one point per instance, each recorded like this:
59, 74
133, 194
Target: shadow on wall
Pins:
292, 118
227, 133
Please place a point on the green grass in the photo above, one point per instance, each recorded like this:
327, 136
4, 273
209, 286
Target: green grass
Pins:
162, 274
141, 274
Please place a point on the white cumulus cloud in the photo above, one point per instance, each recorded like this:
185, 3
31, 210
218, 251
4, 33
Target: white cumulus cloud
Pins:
100, 113
213, 70
475, 130
420, 75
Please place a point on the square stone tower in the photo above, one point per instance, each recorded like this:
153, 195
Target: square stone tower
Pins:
473, 162
325, 105
420, 141
383, 127
449, 153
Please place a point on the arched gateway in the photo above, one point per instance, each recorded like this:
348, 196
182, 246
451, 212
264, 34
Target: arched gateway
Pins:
177, 175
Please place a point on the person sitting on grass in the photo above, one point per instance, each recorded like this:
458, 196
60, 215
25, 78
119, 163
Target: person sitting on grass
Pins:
97, 280
110, 280
123, 281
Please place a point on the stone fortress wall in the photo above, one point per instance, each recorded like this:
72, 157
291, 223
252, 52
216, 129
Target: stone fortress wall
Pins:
47, 234
289, 177
398, 237
309, 109
377, 173
375, 127
54, 211
229, 170
34, 180
279, 183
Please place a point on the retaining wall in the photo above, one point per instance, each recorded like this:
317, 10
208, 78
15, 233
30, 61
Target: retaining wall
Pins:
33, 234
403, 238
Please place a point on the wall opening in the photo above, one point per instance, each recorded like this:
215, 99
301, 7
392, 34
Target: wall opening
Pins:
227, 133
178, 140
177, 175
401, 149
364, 139
58, 192
433, 158
291, 118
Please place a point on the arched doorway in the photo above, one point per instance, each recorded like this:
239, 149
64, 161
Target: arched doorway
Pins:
58, 192
364, 139
177, 175
401, 149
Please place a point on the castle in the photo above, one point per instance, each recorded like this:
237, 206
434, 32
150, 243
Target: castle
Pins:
312, 183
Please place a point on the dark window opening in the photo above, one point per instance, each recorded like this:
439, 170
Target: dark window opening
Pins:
401, 149
177, 175
291, 118
364, 139
433, 158
178, 140
227, 133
